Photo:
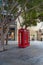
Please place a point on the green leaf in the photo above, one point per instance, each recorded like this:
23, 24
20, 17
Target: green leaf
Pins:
41, 16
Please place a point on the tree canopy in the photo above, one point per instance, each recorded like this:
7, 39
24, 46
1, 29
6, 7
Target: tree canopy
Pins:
30, 10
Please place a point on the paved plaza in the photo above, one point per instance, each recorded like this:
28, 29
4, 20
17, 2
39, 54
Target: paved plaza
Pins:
32, 55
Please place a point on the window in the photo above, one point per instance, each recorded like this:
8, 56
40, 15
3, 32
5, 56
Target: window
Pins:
11, 34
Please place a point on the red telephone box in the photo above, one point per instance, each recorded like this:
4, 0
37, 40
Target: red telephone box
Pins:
23, 38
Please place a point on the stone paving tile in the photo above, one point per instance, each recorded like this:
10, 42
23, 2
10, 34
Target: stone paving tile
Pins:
32, 55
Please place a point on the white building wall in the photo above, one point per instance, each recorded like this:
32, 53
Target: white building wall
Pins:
18, 24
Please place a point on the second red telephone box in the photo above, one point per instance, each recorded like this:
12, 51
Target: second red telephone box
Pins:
23, 38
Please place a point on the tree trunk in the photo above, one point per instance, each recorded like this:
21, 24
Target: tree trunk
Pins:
7, 39
2, 39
